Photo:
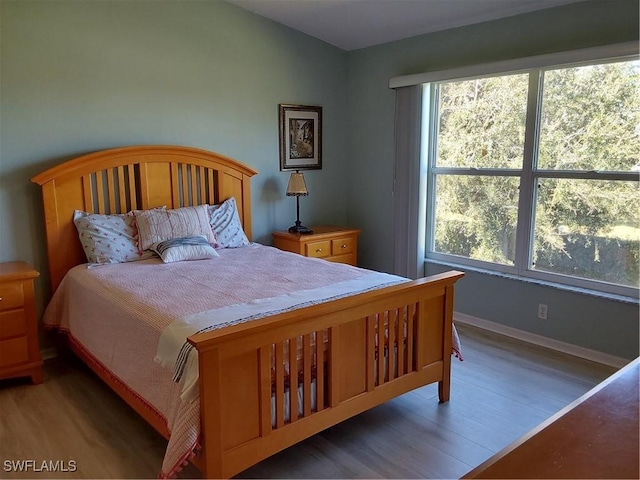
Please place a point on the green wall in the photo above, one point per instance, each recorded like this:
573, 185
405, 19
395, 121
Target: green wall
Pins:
81, 76
600, 324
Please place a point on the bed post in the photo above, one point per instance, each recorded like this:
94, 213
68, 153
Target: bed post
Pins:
210, 421
444, 386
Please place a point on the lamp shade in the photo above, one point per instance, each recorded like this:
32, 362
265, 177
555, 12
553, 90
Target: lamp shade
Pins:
296, 186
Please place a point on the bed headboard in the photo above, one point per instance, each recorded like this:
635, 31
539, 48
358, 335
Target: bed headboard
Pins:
141, 177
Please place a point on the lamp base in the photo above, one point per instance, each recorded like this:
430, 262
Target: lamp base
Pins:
299, 228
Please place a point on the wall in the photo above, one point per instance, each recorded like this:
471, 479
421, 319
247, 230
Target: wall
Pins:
81, 76
587, 321
77, 77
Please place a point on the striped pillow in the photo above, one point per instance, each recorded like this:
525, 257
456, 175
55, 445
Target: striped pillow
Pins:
225, 223
186, 248
159, 225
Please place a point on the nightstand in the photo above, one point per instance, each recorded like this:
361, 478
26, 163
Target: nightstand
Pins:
19, 348
336, 244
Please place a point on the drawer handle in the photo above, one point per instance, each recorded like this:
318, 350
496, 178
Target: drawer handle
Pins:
344, 245
318, 250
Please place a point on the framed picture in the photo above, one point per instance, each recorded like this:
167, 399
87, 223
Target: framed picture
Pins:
300, 137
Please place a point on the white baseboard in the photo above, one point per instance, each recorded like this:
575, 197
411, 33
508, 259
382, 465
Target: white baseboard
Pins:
564, 347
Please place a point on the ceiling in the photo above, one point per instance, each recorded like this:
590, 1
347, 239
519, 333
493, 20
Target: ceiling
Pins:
354, 24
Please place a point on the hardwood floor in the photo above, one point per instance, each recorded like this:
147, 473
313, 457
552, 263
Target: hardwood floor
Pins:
503, 389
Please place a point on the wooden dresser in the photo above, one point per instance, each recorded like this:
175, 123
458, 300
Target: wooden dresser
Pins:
19, 348
336, 244
596, 436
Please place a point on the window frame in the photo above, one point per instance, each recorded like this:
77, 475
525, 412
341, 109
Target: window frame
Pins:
528, 176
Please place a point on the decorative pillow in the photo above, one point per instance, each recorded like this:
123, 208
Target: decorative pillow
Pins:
159, 225
225, 223
186, 248
108, 238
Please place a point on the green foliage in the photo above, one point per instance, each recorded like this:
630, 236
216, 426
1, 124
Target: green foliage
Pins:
592, 257
590, 120
476, 217
480, 126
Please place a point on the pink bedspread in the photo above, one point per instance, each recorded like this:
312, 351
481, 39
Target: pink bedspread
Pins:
117, 314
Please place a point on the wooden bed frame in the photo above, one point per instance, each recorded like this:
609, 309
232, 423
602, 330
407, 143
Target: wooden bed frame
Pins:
236, 379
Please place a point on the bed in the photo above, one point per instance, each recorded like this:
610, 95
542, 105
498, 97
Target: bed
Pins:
261, 384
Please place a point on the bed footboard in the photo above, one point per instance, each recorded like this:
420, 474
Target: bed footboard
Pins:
268, 384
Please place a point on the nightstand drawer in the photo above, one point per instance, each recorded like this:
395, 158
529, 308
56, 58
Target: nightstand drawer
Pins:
319, 249
14, 351
11, 295
336, 244
341, 246
19, 350
13, 323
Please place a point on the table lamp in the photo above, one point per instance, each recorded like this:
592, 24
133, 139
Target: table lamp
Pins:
297, 188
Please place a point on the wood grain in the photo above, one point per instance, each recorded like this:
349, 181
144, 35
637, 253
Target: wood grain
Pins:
231, 363
335, 244
153, 179
597, 436
74, 415
19, 345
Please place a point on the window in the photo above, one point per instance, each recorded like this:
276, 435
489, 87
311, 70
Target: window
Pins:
536, 174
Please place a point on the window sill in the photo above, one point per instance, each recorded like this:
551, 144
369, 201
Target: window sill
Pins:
558, 286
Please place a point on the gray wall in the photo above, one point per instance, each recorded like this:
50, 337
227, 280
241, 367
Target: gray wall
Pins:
599, 324
81, 76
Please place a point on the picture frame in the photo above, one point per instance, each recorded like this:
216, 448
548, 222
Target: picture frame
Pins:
300, 128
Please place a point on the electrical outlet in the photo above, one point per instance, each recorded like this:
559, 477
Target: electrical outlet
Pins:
542, 311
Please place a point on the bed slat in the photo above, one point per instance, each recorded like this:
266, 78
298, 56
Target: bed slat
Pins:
265, 390
203, 189
213, 199
122, 190
175, 181
111, 191
100, 192
371, 352
381, 343
87, 190
195, 200
184, 197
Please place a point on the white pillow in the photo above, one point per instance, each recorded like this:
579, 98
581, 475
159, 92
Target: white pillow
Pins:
186, 248
108, 238
159, 225
225, 223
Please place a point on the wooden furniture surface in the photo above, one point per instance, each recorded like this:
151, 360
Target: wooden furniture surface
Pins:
236, 381
19, 348
597, 436
130, 178
336, 244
